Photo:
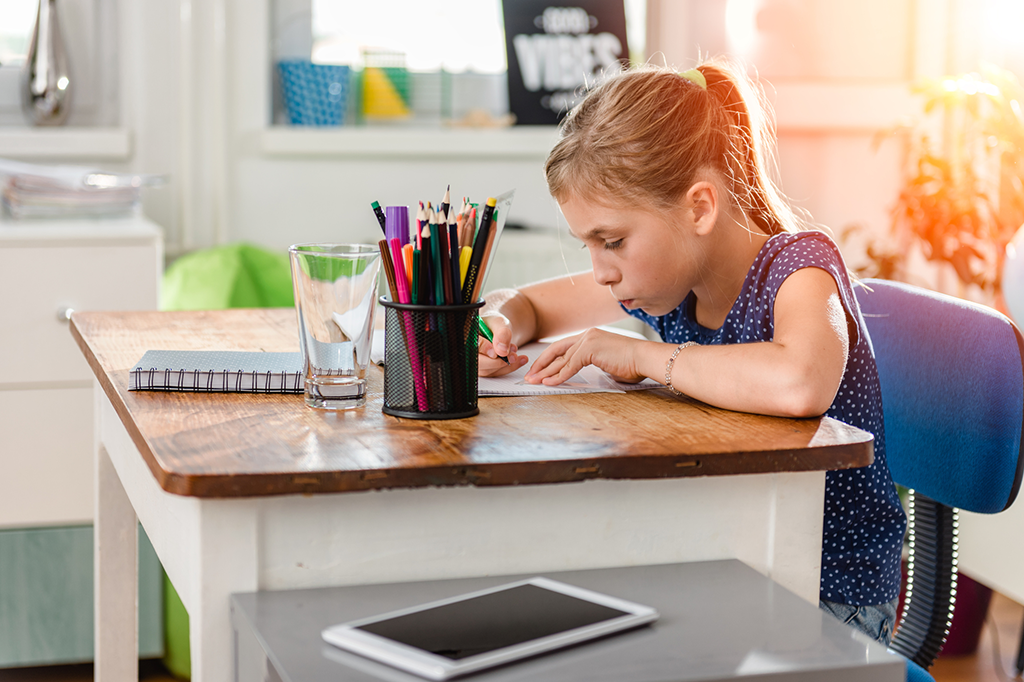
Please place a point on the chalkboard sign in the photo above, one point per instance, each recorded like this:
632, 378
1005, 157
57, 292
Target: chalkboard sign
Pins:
553, 51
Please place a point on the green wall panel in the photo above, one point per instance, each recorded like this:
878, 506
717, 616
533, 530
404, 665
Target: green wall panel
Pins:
46, 596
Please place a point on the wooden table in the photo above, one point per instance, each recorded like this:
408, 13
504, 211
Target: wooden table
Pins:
242, 492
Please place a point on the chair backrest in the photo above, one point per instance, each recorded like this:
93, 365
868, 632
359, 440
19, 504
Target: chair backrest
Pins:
952, 381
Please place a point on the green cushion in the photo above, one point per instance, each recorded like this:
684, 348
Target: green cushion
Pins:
236, 275
177, 651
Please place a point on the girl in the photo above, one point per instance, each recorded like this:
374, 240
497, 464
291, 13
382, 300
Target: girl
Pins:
663, 177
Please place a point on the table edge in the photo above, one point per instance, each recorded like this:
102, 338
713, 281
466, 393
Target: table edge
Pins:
574, 470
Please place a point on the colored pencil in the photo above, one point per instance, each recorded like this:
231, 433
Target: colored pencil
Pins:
415, 282
381, 220
465, 253
441, 274
409, 332
421, 220
481, 274
486, 332
407, 262
429, 291
470, 225
446, 202
389, 268
453, 258
479, 248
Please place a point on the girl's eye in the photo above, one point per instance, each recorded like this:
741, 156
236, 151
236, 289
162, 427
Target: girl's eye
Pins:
613, 245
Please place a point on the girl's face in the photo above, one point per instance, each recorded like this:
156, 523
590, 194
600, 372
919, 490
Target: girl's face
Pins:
646, 259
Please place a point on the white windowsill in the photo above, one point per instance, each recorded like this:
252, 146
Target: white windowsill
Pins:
527, 142
863, 108
65, 143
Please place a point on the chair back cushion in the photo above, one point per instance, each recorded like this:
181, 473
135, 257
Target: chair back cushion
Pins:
952, 394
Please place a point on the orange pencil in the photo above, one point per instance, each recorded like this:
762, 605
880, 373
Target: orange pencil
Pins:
407, 261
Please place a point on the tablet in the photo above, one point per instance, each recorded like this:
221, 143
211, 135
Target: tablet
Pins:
470, 632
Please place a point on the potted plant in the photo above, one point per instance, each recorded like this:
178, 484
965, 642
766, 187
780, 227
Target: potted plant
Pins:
963, 197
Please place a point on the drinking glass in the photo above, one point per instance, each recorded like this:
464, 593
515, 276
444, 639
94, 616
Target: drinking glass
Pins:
335, 294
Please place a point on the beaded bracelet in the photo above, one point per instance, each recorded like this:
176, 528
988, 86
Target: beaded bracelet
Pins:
671, 362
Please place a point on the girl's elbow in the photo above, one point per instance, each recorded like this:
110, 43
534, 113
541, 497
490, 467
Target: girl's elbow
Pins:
806, 400
802, 407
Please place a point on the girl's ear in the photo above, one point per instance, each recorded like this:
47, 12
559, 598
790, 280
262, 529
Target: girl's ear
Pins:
702, 203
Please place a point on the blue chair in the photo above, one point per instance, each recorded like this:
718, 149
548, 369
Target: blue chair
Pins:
952, 379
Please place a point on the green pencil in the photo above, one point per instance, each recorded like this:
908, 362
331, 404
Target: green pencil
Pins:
486, 332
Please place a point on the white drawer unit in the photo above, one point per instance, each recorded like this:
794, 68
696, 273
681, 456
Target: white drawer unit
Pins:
47, 268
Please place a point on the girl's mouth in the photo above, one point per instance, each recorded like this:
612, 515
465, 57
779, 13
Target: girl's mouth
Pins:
627, 302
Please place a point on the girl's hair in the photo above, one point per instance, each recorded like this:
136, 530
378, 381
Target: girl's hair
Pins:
647, 134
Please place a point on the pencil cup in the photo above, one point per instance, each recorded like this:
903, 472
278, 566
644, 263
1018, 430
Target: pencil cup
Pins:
430, 360
335, 287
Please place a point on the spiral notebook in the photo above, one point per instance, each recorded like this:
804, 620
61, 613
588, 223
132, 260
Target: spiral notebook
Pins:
217, 372
224, 371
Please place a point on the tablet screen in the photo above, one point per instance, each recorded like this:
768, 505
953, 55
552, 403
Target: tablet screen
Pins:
484, 623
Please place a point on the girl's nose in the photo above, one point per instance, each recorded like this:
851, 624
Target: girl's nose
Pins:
604, 274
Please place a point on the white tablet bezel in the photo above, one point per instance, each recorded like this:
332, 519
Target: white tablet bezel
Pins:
431, 666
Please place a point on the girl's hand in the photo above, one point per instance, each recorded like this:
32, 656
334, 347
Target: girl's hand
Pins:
489, 364
614, 353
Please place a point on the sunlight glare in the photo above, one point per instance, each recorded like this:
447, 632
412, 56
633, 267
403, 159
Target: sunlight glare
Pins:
1002, 22
741, 25
457, 35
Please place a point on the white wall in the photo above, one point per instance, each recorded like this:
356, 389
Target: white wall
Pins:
200, 100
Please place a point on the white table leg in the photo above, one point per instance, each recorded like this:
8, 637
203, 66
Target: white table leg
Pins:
793, 557
115, 582
225, 561
207, 547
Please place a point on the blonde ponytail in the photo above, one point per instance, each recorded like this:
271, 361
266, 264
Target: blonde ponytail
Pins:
646, 134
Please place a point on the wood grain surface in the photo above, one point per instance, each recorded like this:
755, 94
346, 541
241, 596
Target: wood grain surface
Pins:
240, 444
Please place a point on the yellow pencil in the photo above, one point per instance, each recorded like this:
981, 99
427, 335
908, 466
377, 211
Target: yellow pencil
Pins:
465, 253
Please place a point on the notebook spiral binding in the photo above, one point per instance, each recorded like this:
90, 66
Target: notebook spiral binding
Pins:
215, 381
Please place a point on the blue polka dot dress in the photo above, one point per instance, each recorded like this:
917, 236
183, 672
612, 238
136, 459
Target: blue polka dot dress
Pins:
864, 521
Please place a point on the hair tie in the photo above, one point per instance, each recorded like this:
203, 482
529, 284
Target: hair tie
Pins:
695, 76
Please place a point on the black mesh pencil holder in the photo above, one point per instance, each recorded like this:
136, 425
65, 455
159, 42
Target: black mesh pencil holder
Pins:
430, 360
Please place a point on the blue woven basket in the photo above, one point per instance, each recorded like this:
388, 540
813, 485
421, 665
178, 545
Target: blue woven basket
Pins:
314, 94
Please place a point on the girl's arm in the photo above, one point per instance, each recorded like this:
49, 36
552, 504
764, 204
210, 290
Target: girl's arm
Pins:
797, 374
549, 308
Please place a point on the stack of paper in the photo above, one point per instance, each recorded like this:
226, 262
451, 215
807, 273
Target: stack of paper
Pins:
590, 379
30, 190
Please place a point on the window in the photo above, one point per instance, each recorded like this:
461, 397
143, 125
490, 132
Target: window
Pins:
89, 31
16, 20
452, 53
455, 36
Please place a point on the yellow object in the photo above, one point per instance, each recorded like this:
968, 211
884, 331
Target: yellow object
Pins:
380, 97
464, 255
